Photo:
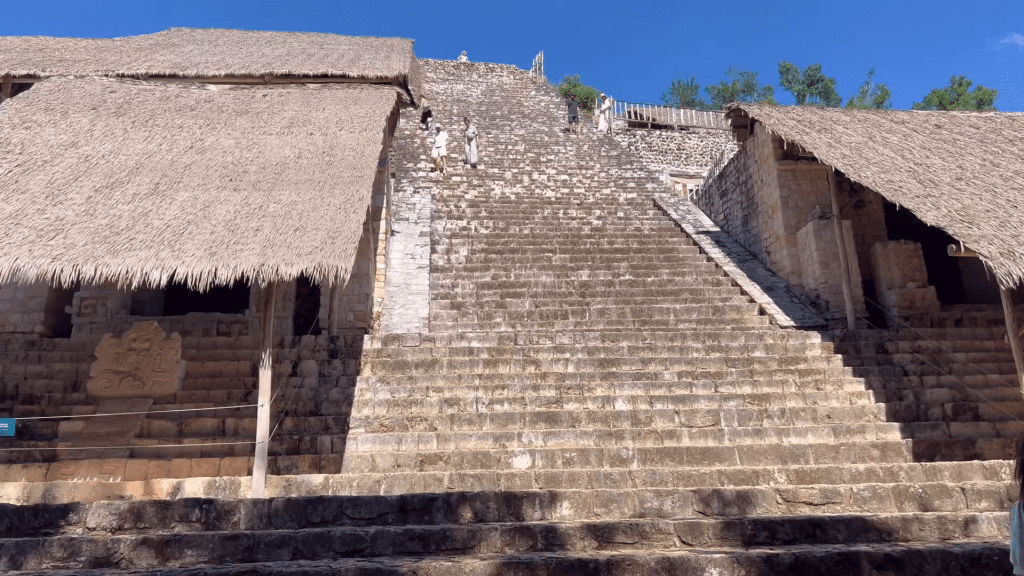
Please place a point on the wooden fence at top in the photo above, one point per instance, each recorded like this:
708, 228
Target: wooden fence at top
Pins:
661, 116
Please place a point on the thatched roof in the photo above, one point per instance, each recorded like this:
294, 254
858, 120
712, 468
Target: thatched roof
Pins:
962, 172
213, 53
122, 181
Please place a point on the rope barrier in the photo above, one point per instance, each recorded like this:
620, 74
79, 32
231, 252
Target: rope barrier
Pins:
940, 370
927, 339
137, 413
128, 447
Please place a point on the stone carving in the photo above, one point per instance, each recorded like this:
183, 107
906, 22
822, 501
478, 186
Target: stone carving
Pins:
144, 363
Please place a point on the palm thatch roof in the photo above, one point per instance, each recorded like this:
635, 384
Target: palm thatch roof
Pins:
121, 181
215, 53
962, 172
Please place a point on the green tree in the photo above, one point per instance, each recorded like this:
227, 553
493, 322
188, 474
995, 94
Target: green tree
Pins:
871, 95
585, 95
741, 87
957, 96
685, 95
809, 86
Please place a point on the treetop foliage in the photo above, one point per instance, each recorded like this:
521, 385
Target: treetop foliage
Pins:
685, 95
809, 86
585, 95
871, 95
741, 87
957, 96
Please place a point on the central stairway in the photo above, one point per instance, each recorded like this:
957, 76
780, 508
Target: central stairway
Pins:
594, 397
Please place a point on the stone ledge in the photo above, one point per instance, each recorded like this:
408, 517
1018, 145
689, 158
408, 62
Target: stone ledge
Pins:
770, 291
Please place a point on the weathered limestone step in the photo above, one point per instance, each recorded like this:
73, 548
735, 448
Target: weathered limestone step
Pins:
709, 323
503, 302
783, 353
491, 297
699, 513
948, 395
601, 396
580, 438
598, 363
755, 340
701, 456
545, 282
979, 412
955, 558
682, 382
225, 547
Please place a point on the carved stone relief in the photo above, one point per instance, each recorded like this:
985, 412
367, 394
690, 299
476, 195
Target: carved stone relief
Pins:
144, 363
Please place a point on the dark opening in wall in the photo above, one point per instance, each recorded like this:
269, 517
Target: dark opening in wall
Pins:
177, 299
956, 280
56, 318
307, 307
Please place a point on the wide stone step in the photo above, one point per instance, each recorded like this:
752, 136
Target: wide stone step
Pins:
669, 293
485, 285
539, 278
770, 381
995, 394
754, 340
658, 456
567, 265
978, 413
481, 438
955, 558
313, 544
785, 352
581, 312
777, 366
707, 323
667, 425
773, 506
600, 395
501, 302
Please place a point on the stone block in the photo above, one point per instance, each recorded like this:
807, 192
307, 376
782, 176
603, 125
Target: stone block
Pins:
235, 466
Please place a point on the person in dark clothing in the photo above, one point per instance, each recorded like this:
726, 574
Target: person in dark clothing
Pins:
426, 116
574, 113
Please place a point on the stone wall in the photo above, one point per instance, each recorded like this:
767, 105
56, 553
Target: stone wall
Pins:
771, 191
901, 280
693, 150
23, 308
743, 199
820, 270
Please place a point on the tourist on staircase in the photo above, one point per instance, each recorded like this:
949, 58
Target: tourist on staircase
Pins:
604, 114
574, 113
439, 148
471, 150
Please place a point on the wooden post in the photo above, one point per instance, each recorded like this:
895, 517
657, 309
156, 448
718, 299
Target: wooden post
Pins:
844, 265
5, 87
1013, 334
259, 467
332, 310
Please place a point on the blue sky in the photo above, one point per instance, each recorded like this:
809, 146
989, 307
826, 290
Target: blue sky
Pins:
631, 49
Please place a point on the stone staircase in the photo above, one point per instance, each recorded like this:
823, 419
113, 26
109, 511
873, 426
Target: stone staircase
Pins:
594, 396
192, 433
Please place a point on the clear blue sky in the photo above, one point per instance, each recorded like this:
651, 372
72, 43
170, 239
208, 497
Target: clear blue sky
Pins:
631, 49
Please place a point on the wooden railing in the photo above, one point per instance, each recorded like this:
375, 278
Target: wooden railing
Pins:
653, 115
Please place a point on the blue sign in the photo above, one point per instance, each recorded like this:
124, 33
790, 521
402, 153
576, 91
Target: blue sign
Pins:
6, 426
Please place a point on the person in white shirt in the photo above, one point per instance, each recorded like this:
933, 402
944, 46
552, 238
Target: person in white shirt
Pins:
471, 149
439, 148
604, 115
463, 57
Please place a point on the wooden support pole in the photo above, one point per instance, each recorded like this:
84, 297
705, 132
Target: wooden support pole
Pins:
332, 310
1013, 334
844, 265
5, 87
259, 467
